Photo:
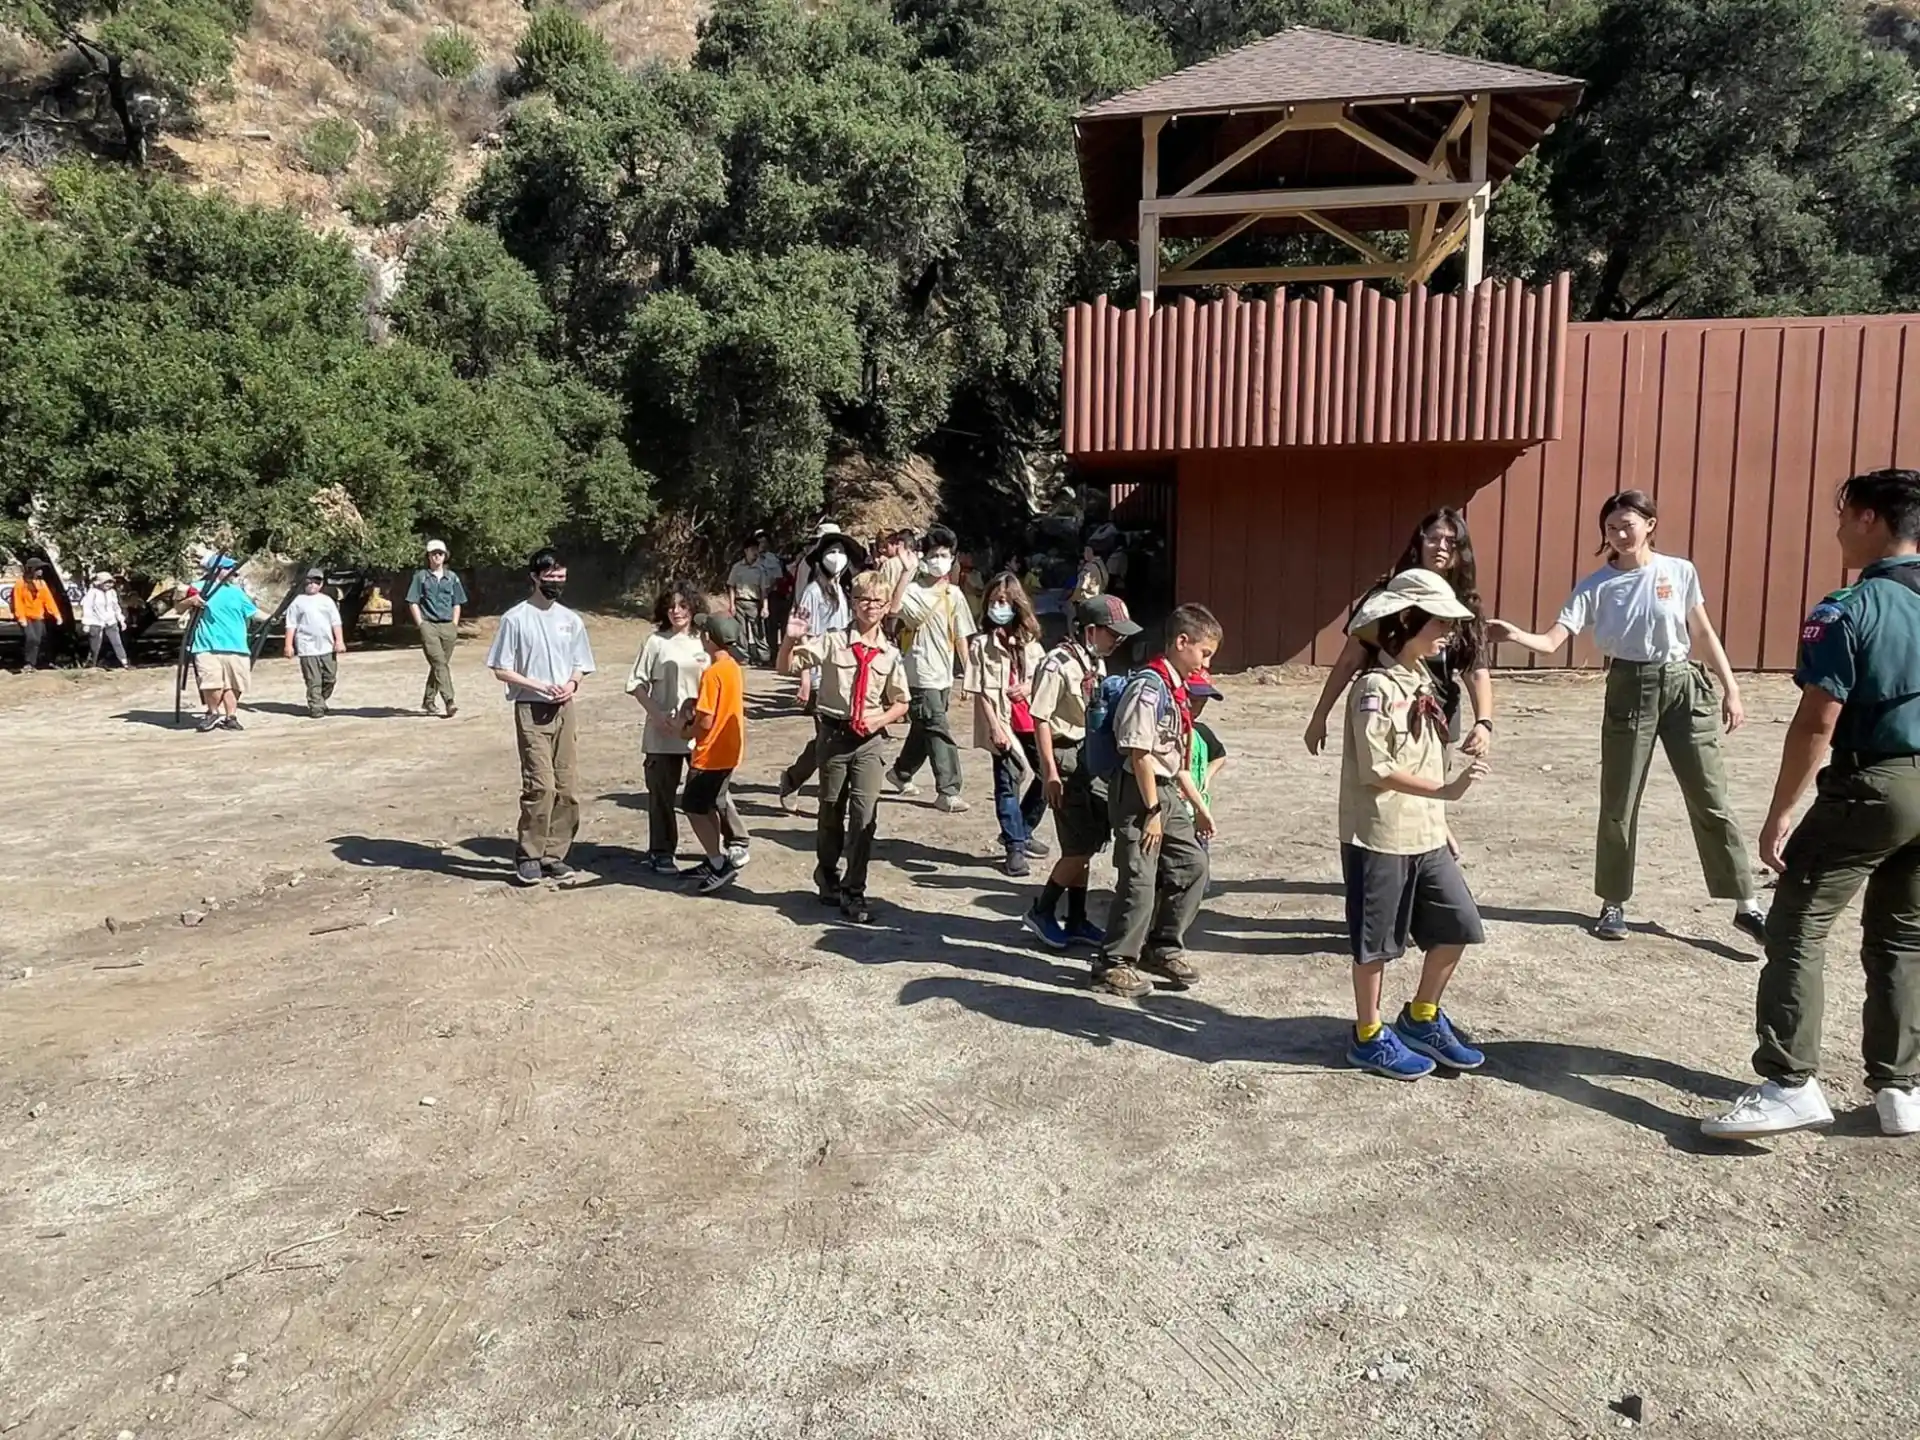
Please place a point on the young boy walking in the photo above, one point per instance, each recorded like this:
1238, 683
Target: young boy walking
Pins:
315, 637
1062, 690
1159, 819
1397, 855
717, 726
862, 690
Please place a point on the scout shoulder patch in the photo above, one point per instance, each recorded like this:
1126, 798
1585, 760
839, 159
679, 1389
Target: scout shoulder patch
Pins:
1818, 619
1370, 703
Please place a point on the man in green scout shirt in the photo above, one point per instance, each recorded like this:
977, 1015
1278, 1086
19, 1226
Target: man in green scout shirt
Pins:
435, 597
1859, 678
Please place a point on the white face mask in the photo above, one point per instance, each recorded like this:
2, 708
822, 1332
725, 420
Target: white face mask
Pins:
833, 562
937, 565
1000, 614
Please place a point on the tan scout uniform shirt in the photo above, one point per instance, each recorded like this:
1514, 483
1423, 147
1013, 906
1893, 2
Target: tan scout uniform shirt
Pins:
1065, 682
1380, 742
833, 654
993, 679
1147, 719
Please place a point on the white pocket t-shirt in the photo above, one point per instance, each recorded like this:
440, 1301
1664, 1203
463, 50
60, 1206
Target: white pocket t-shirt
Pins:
1638, 615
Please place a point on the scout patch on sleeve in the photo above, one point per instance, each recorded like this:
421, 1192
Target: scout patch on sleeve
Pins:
1369, 703
1822, 615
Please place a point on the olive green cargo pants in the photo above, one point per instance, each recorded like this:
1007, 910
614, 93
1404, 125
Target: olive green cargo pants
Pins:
1863, 828
1678, 706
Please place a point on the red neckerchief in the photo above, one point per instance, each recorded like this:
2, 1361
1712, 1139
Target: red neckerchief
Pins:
1426, 707
863, 658
1181, 701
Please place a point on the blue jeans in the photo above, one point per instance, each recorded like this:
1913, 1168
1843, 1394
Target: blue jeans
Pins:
1019, 814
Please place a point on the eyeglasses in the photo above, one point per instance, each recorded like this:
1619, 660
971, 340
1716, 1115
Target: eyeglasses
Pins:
870, 600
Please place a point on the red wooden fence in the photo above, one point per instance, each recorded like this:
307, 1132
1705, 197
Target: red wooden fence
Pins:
1484, 367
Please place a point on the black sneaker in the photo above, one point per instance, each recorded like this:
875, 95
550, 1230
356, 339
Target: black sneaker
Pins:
1016, 861
857, 909
556, 869
208, 724
452, 710
1752, 924
716, 879
1612, 924
663, 865
232, 722
527, 872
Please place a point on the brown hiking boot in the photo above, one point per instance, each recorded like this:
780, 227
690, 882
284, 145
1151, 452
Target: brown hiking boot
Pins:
1175, 967
1120, 979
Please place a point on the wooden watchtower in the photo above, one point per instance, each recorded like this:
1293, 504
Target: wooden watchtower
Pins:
1307, 130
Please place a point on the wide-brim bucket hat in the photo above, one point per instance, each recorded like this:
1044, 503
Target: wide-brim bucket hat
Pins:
856, 552
1410, 589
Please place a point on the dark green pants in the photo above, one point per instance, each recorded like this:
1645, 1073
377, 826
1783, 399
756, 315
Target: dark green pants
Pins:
320, 672
930, 737
850, 770
1863, 828
1155, 897
438, 638
1679, 706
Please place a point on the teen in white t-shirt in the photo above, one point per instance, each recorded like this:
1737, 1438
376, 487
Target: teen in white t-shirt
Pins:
1647, 613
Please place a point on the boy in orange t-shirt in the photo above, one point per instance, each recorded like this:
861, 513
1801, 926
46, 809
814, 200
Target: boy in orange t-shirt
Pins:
718, 728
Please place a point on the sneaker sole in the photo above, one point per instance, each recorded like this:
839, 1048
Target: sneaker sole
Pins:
1714, 1130
704, 887
1385, 1073
1032, 927
1428, 1052
1609, 936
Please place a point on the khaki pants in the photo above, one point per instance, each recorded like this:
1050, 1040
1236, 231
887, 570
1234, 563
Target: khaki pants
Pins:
1678, 706
320, 672
1863, 828
1155, 897
850, 771
438, 639
549, 812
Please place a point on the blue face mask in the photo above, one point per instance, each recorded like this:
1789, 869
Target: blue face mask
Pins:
1000, 614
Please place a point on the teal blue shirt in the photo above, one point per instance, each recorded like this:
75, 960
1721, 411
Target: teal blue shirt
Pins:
1862, 646
222, 629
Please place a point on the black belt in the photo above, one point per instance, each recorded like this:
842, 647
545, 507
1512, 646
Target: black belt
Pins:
1861, 759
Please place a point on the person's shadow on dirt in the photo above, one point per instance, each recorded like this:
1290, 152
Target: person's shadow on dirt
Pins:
489, 857
1569, 1072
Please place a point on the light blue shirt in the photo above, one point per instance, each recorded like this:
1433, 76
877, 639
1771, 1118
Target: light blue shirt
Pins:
222, 629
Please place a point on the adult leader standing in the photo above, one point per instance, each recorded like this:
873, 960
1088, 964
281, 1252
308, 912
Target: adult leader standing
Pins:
1647, 612
436, 598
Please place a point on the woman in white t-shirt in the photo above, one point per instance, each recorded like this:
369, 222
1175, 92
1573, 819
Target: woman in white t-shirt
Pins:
665, 680
1647, 613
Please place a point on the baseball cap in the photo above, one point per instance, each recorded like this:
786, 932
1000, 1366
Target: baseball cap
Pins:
1409, 589
723, 629
223, 562
1201, 687
100, 575
316, 574
433, 545
1109, 612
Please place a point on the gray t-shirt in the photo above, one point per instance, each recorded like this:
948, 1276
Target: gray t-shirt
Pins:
313, 619
1638, 615
544, 645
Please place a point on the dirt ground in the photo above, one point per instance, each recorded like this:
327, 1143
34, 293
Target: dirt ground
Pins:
722, 1168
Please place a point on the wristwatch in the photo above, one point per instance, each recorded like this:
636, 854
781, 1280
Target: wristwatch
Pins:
1488, 723
1157, 808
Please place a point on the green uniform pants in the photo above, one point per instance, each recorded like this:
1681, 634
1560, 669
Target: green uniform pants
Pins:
930, 737
437, 638
1155, 897
321, 672
1679, 706
1863, 827
850, 769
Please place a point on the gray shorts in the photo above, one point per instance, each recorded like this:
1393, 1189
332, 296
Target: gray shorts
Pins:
1395, 898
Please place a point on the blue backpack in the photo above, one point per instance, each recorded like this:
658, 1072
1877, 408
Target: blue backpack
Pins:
1100, 753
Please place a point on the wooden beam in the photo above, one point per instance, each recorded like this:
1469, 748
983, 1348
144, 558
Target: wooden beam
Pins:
1149, 236
1282, 275
1444, 244
1462, 118
1419, 169
1259, 142
1346, 237
1477, 207
1293, 202
1187, 262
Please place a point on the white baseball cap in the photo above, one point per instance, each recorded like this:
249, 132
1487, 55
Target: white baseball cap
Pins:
433, 545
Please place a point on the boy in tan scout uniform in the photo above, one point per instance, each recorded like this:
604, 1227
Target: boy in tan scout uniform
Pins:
1062, 689
863, 690
1396, 852
1158, 816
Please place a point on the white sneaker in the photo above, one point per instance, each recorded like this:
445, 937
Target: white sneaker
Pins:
951, 805
738, 856
1772, 1109
899, 786
1899, 1112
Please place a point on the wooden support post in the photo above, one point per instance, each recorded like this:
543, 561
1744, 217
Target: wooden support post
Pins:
1150, 128
1477, 207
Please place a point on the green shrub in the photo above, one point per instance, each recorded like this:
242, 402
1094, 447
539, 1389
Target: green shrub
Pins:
366, 205
451, 54
419, 164
329, 145
349, 47
560, 51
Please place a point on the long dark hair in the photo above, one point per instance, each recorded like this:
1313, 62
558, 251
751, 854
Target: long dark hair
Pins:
676, 590
1464, 577
1006, 586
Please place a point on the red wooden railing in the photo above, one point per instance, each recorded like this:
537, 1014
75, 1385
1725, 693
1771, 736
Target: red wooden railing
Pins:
1482, 367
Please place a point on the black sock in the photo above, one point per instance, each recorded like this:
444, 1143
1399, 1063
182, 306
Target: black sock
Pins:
1049, 902
1077, 906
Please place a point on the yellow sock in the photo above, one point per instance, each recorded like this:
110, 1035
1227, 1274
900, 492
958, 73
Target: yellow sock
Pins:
1368, 1031
1423, 1013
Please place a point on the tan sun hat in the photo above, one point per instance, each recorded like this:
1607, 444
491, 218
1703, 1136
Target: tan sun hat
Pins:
1410, 589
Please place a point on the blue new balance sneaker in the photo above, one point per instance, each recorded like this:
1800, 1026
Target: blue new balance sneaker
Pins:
1049, 930
1385, 1055
1437, 1041
1086, 933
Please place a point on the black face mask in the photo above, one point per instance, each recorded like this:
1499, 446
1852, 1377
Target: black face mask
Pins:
553, 589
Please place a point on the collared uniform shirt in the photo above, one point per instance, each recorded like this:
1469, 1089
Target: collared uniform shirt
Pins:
839, 670
1062, 688
993, 677
1380, 742
436, 595
1862, 646
1146, 718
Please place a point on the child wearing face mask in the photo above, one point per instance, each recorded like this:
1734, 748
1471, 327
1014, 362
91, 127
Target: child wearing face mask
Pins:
1005, 658
935, 624
824, 608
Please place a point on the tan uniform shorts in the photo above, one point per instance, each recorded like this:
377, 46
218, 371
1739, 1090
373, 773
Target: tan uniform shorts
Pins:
222, 672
